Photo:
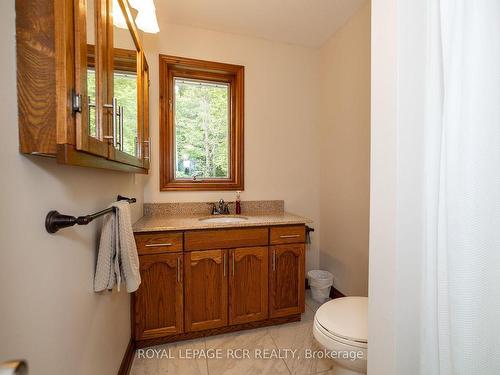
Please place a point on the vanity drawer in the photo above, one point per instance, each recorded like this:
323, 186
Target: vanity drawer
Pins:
161, 242
288, 234
225, 238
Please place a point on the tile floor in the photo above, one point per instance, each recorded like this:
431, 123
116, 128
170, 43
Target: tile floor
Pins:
258, 342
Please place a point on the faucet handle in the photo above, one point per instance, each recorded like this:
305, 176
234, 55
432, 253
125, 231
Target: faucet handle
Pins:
213, 208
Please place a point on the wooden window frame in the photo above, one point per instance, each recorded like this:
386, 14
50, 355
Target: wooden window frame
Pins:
172, 67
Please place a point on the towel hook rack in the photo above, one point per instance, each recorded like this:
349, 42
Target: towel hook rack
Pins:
55, 221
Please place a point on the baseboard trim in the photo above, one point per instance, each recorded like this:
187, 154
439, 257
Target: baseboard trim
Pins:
128, 358
334, 293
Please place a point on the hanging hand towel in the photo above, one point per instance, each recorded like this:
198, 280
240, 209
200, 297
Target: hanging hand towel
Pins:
117, 256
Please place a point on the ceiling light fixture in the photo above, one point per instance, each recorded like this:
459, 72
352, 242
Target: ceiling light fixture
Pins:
136, 4
147, 22
118, 18
146, 18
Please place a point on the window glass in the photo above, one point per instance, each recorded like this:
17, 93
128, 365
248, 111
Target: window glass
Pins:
125, 82
201, 120
125, 86
91, 102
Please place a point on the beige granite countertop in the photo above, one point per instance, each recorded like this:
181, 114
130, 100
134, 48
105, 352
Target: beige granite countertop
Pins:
158, 222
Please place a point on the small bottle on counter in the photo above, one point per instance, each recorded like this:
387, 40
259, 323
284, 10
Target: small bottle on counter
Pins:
238, 203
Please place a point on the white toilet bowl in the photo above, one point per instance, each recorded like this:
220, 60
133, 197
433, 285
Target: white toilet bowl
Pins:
341, 327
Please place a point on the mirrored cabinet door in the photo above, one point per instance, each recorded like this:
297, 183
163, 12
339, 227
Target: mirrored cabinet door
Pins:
83, 60
126, 85
88, 102
146, 138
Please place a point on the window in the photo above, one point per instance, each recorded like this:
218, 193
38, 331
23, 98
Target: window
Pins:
201, 125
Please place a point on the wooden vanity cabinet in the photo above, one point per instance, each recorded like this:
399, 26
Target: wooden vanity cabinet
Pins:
158, 303
232, 279
70, 59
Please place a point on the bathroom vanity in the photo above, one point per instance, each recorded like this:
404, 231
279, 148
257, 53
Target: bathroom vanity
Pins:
201, 278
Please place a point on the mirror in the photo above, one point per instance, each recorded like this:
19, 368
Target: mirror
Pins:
146, 139
125, 83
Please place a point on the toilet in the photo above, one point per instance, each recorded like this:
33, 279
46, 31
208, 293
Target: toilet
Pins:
341, 327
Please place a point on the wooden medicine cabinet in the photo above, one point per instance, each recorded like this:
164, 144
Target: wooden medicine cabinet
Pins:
83, 84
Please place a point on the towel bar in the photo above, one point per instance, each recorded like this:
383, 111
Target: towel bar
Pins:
55, 221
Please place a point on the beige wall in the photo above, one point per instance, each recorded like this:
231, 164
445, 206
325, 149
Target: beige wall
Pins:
52, 317
281, 117
345, 154
48, 311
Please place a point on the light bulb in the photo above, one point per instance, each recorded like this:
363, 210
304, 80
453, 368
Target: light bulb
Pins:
142, 4
118, 18
147, 22
136, 4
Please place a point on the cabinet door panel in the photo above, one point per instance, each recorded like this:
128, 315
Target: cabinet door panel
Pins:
146, 139
286, 283
158, 301
125, 85
248, 285
90, 82
205, 289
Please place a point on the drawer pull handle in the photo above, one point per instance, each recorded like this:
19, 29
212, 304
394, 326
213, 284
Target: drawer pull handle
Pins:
290, 235
274, 260
158, 244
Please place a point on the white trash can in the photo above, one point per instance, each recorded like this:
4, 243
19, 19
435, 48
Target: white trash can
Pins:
320, 283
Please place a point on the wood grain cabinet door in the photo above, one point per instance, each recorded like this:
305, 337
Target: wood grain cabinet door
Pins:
248, 284
205, 289
286, 281
158, 301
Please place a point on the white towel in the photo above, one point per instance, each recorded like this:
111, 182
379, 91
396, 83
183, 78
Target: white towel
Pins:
117, 256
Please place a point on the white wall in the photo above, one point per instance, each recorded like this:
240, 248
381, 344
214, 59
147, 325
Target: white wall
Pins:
398, 72
49, 314
282, 157
345, 154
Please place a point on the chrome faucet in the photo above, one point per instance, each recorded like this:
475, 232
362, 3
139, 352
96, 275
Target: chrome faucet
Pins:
220, 208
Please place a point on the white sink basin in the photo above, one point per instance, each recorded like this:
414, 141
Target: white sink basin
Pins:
224, 219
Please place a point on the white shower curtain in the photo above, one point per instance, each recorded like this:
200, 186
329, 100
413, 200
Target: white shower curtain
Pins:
461, 283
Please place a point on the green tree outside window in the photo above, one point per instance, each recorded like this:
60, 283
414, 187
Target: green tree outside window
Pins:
201, 129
